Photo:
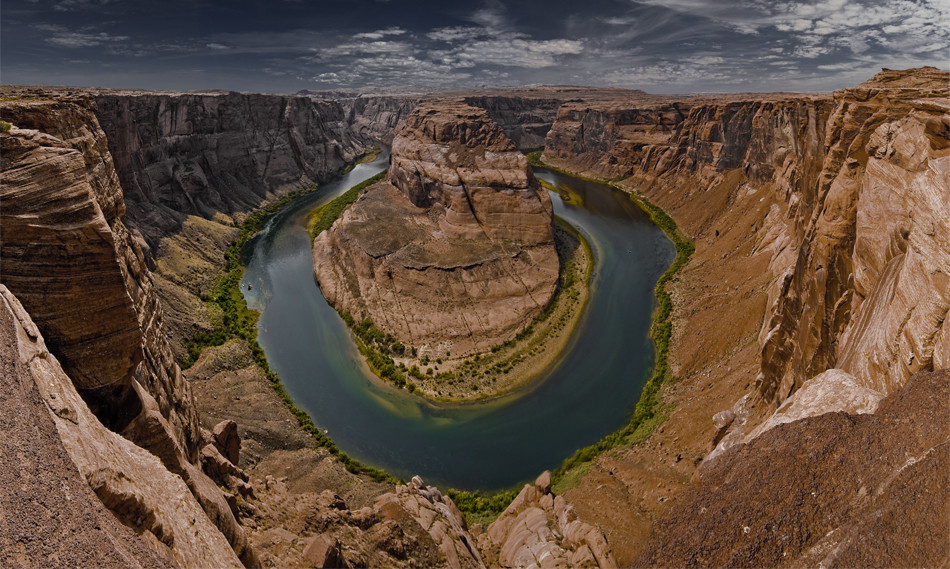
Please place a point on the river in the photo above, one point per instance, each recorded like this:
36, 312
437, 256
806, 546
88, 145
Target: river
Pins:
590, 392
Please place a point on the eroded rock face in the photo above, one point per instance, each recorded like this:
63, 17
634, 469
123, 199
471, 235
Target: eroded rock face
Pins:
540, 529
456, 248
847, 194
836, 490
79, 271
199, 154
128, 480
412, 526
66, 252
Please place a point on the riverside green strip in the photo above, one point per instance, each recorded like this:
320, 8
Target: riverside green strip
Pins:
648, 413
241, 322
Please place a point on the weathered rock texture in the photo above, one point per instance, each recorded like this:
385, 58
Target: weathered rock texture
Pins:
202, 154
412, 526
836, 490
456, 248
820, 224
539, 529
857, 226
378, 117
67, 255
168, 526
79, 272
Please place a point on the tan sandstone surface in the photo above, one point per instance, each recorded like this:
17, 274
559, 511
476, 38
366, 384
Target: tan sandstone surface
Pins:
791, 276
456, 248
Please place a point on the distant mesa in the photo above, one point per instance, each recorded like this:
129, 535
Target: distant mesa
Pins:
455, 248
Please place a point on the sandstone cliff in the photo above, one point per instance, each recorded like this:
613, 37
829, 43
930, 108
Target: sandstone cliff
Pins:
820, 241
378, 117
856, 190
68, 257
79, 271
166, 524
201, 154
455, 248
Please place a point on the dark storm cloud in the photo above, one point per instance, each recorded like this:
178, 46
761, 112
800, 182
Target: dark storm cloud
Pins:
286, 45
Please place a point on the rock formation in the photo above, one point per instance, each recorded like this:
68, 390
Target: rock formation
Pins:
539, 529
455, 248
859, 192
80, 272
836, 490
834, 206
81, 275
201, 154
168, 526
412, 526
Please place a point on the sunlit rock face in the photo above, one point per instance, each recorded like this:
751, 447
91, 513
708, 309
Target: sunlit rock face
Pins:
455, 249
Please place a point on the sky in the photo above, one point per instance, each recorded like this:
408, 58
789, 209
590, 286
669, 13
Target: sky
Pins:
282, 46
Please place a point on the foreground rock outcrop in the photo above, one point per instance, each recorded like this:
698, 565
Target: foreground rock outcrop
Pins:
539, 529
835, 490
456, 248
412, 526
81, 275
80, 272
117, 481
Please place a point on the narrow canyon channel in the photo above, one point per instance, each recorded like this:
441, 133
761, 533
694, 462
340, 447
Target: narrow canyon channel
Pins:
488, 445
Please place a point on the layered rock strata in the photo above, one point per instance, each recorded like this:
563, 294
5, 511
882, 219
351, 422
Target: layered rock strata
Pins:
202, 154
81, 273
99, 477
539, 529
857, 190
455, 248
779, 192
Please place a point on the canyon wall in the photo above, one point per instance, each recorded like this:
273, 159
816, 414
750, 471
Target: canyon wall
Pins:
203, 154
123, 410
818, 287
856, 223
78, 269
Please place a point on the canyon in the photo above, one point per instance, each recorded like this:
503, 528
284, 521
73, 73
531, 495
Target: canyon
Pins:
808, 418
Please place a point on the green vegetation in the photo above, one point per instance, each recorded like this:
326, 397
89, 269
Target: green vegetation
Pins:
241, 322
482, 509
649, 412
5, 126
323, 218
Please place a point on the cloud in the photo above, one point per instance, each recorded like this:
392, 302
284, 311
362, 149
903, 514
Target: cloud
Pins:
512, 52
63, 37
380, 34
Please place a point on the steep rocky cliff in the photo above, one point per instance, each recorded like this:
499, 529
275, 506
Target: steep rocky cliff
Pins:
378, 117
168, 526
79, 271
455, 248
857, 190
820, 231
81, 275
202, 154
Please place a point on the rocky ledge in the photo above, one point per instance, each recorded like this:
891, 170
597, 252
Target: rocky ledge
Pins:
454, 252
